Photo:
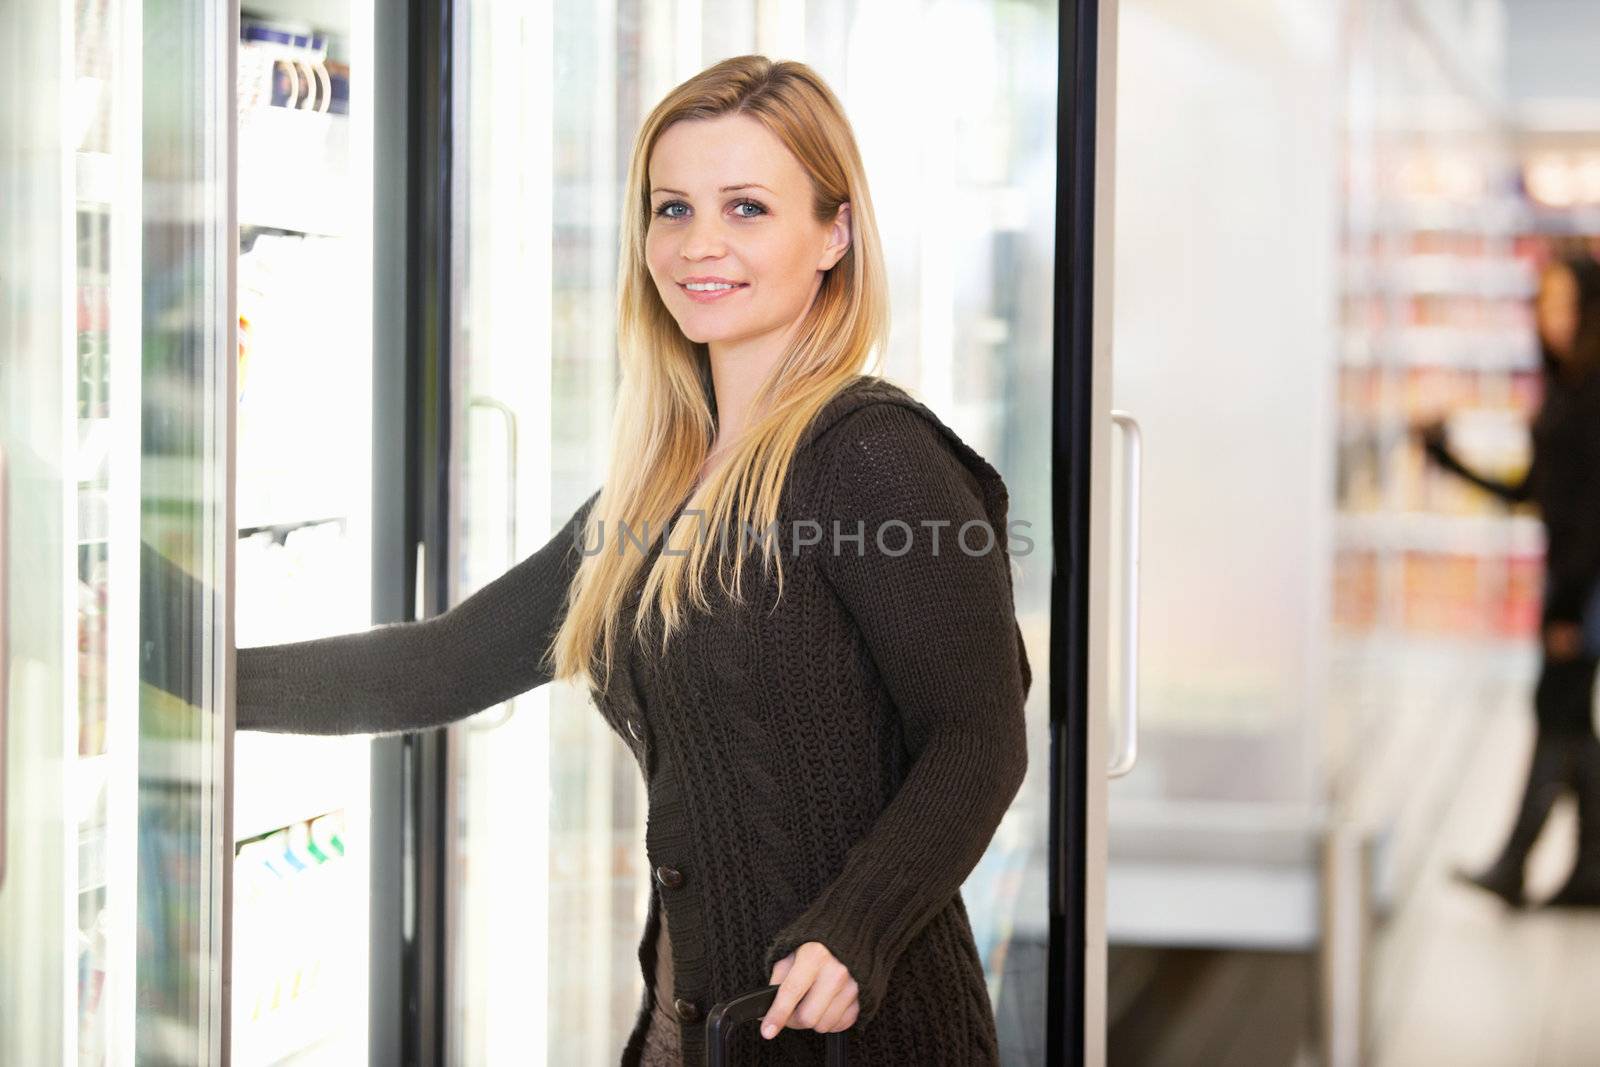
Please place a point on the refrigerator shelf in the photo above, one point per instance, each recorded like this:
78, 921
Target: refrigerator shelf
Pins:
1463, 280
1503, 217
283, 779
1468, 535
280, 529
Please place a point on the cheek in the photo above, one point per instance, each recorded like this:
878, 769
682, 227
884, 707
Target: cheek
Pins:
656, 253
787, 263
658, 259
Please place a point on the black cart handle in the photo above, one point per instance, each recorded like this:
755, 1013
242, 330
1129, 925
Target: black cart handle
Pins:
731, 1014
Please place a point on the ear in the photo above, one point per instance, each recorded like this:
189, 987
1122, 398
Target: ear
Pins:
838, 238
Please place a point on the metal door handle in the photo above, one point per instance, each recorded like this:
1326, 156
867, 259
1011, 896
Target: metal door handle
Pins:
504, 411
1127, 753
5, 657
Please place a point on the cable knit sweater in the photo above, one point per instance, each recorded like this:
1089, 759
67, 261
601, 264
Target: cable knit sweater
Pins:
828, 766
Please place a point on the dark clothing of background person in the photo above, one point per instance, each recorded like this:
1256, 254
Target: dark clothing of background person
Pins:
1563, 480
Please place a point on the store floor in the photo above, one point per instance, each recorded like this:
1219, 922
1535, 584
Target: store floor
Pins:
1457, 979
1439, 741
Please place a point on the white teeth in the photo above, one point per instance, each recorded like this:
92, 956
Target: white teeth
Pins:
708, 287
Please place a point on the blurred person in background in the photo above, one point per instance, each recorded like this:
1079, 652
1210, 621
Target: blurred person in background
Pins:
1563, 480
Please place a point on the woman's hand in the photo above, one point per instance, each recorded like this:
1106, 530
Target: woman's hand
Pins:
821, 986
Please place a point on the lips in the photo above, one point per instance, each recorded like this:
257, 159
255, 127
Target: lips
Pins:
708, 296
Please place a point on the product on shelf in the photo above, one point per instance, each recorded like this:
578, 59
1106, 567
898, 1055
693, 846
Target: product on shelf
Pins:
292, 888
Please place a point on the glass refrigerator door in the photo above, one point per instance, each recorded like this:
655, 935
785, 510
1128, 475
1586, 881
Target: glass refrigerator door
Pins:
1298, 224
115, 555
1220, 269
304, 570
1217, 837
957, 141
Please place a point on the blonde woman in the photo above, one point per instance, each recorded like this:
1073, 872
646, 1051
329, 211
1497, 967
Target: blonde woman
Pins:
821, 676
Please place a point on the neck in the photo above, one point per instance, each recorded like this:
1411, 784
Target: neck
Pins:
740, 368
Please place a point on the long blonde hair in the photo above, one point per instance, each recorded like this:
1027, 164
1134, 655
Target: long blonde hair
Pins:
663, 427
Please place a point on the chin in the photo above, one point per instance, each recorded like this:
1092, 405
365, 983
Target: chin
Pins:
699, 337
703, 333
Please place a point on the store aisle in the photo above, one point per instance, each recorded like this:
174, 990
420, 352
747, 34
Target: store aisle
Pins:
1460, 980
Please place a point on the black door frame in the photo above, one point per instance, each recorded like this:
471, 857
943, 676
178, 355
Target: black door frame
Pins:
1071, 474
413, 157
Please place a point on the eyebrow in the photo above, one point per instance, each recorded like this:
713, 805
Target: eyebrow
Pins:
724, 189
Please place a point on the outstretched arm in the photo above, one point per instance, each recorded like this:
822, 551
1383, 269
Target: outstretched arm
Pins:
418, 675
942, 631
1433, 441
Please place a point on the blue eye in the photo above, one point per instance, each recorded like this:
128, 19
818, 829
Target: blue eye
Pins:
759, 211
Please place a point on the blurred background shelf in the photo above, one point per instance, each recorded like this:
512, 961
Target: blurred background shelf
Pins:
1480, 535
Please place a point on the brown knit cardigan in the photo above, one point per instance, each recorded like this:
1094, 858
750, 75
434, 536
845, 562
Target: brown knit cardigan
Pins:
828, 766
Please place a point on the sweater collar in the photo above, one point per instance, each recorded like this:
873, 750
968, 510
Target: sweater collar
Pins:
868, 389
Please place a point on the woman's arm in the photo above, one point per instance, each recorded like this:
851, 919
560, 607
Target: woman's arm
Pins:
417, 675
1433, 442
942, 631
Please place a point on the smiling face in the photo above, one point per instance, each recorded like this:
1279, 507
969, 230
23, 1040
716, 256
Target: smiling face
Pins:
734, 244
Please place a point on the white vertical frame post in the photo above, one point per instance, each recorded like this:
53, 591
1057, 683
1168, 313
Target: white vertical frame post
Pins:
1095, 781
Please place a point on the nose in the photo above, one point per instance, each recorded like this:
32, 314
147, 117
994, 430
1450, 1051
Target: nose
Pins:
702, 239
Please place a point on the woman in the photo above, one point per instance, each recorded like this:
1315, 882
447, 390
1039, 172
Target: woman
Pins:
829, 733
1564, 481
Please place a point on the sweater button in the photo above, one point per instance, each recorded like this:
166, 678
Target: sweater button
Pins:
687, 1010
669, 877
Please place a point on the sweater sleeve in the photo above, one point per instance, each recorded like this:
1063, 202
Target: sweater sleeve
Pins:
1511, 492
942, 632
418, 675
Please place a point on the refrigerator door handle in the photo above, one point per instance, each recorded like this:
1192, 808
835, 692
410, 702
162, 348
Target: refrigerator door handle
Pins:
5, 657
488, 403
1127, 750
